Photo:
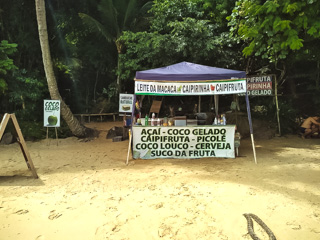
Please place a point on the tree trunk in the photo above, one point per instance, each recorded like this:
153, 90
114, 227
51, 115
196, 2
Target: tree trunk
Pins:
76, 128
95, 86
119, 49
118, 76
318, 76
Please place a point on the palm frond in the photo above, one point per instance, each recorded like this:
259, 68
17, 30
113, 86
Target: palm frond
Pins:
130, 13
145, 8
96, 26
110, 16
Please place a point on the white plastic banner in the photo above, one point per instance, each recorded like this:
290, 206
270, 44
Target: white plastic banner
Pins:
183, 142
193, 88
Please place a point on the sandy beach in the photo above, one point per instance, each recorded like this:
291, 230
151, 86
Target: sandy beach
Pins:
85, 191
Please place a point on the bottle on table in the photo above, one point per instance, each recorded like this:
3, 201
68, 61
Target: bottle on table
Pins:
146, 120
215, 122
153, 119
165, 121
170, 122
224, 119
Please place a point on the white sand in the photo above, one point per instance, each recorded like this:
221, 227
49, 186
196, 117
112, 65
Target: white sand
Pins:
85, 191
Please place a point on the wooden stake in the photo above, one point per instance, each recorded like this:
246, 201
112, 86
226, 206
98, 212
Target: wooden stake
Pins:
56, 135
277, 104
129, 147
47, 138
4, 123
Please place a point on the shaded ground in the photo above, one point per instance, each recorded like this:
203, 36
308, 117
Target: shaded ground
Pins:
85, 191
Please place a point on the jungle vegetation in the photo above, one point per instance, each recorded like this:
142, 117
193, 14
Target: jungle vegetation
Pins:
97, 45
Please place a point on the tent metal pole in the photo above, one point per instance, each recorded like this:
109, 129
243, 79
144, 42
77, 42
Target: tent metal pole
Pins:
130, 130
216, 104
133, 109
251, 128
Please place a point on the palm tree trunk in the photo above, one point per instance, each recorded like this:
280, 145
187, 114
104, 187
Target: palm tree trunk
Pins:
118, 76
119, 49
76, 128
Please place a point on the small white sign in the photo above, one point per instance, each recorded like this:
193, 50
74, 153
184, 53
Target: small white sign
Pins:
51, 113
125, 103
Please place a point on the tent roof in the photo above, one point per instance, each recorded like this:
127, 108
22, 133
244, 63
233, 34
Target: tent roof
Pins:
186, 71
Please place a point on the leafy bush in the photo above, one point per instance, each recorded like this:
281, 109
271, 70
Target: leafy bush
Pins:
6, 64
26, 94
36, 131
264, 108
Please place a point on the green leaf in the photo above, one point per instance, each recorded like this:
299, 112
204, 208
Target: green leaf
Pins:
312, 31
247, 51
3, 86
296, 44
291, 8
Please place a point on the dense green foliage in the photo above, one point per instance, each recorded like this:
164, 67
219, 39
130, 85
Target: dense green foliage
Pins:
274, 28
114, 18
179, 31
6, 63
96, 45
285, 34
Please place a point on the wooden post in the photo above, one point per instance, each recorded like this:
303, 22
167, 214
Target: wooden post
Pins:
129, 147
4, 123
20, 140
47, 137
277, 104
57, 136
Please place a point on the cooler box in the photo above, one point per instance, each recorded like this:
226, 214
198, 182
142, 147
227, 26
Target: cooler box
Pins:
192, 122
180, 121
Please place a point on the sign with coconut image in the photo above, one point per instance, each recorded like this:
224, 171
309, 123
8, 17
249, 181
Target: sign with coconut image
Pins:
51, 113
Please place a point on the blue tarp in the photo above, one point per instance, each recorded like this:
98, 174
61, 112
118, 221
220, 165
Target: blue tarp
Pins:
186, 71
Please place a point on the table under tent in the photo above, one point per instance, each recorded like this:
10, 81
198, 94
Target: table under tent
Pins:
188, 79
